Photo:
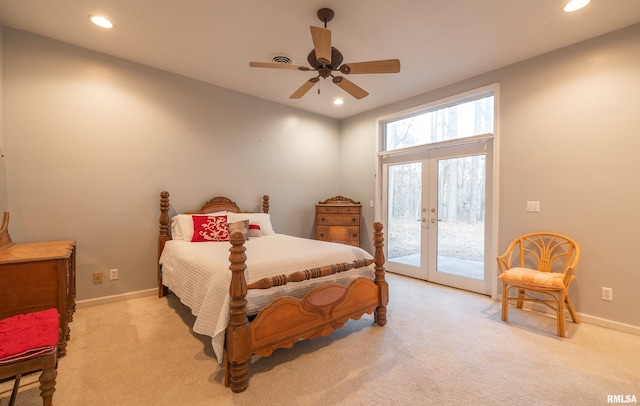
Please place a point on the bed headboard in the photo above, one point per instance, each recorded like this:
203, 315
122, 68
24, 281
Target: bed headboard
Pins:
218, 204
222, 203
214, 205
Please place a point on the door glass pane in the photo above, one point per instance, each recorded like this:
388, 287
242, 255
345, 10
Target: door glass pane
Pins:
404, 204
461, 207
461, 120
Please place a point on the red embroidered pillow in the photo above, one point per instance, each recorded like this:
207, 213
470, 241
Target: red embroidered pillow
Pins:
210, 228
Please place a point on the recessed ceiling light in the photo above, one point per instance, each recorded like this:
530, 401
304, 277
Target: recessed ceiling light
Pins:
338, 101
575, 5
101, 21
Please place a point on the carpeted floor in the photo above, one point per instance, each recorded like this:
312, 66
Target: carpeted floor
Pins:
441, 346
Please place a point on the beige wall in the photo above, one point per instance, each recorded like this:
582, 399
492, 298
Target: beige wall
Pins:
570, 138
91, 140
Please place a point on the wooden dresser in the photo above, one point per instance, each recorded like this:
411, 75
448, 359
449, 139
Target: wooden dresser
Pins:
338, 220
40, 276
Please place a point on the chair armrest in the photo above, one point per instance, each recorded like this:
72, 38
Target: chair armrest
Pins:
568, 275
503, 263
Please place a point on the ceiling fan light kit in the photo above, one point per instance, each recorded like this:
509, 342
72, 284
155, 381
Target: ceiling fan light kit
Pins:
325, 60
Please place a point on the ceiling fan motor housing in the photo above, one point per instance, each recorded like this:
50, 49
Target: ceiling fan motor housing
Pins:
336, 60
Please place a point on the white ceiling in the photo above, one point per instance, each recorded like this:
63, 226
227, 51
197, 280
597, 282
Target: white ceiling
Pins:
438, 42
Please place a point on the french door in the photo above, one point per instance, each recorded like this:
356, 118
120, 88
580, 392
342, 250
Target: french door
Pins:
435, 203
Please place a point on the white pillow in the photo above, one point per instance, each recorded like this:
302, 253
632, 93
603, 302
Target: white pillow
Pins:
263, 220
176, 232
182, 225
254, 229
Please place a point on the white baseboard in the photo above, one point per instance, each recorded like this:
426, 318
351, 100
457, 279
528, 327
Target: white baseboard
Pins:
586, 318
115, 298
613, 325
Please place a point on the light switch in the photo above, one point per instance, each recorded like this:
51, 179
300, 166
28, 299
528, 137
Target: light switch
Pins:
533, 207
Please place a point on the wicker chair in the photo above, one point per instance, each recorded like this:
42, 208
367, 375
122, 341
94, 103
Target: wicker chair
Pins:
542, 262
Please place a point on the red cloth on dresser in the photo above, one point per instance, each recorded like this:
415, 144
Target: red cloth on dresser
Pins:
28, 335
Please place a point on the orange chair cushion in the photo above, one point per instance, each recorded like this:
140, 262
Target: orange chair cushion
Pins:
28, 335
533, 277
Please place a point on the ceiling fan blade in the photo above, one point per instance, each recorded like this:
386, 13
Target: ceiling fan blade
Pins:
322, 44
383, 66
277, 66
350, 87
302, 90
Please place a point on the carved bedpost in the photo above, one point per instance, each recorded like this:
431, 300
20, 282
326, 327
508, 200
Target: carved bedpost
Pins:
238, 338
164, 234
378, 242
265, 204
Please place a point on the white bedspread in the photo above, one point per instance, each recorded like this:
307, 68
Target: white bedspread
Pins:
198, 273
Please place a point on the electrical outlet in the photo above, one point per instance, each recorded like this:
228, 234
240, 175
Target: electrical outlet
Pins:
97, 278
607, 294
533, 207
113, 274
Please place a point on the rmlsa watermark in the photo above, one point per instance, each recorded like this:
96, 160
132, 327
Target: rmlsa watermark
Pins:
622, 399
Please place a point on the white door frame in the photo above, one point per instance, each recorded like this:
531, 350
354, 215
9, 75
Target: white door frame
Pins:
427, 270
491, 216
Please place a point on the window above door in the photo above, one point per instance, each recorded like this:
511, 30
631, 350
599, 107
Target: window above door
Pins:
465, 117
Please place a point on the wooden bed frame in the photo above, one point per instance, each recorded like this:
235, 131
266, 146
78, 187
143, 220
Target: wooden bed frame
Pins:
286, 320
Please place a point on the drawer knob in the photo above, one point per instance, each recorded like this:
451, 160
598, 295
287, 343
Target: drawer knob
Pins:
323, 219
321, 234
353, 219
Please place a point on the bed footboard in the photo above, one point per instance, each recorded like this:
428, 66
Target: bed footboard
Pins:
321, 312
287, 320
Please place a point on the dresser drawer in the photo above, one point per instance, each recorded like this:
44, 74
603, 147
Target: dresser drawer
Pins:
342, 234
338, 219
338, 209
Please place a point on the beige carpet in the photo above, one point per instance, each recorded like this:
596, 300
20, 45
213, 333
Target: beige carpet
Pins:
441, 346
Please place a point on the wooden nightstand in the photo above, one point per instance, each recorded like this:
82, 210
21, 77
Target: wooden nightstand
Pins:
40, 276
338, 220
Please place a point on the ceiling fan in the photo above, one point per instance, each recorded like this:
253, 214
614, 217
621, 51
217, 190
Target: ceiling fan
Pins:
325, 60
